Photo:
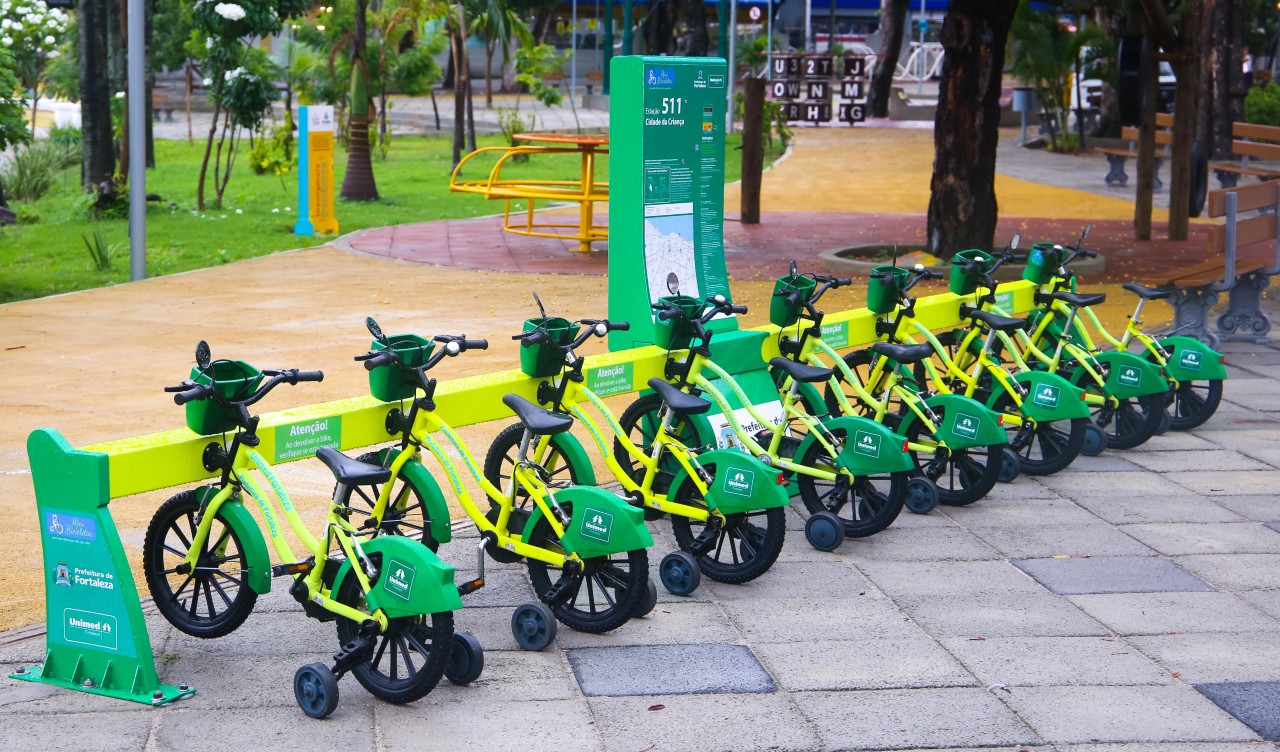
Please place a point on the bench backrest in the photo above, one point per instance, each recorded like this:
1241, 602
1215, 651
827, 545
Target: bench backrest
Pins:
1164, 130
1262, 228
1251, 141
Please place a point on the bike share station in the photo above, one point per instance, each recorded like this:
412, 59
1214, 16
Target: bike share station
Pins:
667, 214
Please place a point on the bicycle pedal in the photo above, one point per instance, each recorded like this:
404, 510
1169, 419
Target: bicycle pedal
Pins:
470, 586
298, 567
705, 540
560, 590
357, 651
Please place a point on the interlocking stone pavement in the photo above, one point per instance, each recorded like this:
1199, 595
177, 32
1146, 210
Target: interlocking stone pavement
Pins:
1128, 605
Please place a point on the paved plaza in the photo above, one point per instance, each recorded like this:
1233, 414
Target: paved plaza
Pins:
1130, 603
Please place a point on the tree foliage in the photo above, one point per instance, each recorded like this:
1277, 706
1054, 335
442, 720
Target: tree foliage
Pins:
31, 31
1045, 55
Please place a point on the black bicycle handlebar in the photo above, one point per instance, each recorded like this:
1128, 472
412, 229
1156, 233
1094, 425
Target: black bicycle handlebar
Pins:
376, 359
196, 392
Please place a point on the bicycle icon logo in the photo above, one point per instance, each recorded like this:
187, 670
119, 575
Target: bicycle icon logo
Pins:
70, 527
55, 527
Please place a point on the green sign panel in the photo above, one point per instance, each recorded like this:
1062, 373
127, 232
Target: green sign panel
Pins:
97, 638
296, 440
615, 379
666, 187
837, 334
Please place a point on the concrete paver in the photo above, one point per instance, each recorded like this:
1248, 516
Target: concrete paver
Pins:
1048, 661
870, 662
1162, 613
1110, 574
716, 723
1255, 704
668, 669
987, 614
1216, 656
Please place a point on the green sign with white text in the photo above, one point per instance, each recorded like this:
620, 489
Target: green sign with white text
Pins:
297, 440
666, 187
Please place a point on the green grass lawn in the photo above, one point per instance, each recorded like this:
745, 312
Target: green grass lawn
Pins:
257, 217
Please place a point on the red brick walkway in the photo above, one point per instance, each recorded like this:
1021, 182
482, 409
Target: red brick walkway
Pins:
760, 251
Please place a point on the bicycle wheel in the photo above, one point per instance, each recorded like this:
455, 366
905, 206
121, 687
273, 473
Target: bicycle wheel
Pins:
406, 513
409, 658
607, 594
1132, 422
500, 460
745, 547
640, 423
962, 475
1191, 403
213, 599
867, 505
1050, 447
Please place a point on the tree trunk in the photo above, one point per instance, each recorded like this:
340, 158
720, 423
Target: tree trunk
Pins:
488, 75
1146, 142
695, 13
97, 164
459, 97
208, 144
893, 19
962, 208
147, 37
471, 116
1184, 125
359, 184
1221, 79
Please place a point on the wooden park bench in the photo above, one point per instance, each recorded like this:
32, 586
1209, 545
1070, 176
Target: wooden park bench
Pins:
593, 78
1116, 156
1243, 255
1251, 143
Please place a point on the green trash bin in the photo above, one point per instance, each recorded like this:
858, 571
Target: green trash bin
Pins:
387, 382
234, 380
963, 281
782, 312
675, 334
1043, 262
884, 292
542, 360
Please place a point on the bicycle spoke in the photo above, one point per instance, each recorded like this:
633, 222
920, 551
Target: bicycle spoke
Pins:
221, 593
405, 654
604, 591
377, 657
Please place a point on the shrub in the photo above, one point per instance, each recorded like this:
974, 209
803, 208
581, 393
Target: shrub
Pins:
67, 136
32, 171
272, 152
99, 250
511, 122
1262, 105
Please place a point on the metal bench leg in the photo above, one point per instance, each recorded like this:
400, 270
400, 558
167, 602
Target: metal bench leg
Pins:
1227, 179
1191, 308
1244, 320
1159, 186
1116, 176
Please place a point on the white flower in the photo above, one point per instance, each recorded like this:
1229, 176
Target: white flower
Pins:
288, 208
5, 24
208, 43
239, 211
229, 11
8, 41
54, 55
119, 95
275, 211
207, 82
222, 216
49, 40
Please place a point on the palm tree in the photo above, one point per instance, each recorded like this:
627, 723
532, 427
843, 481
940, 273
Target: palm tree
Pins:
1045, 52
496, 22
359, 184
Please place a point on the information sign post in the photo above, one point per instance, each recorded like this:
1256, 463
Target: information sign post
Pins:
96, 638
315, 172
666, 186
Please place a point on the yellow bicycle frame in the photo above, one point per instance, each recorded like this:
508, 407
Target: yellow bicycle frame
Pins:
337, 530
427, 423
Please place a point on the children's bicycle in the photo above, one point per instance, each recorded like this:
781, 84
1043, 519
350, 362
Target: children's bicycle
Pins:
206, 561
726, 510
1126, 394
1045, 417
1193, 370
956, 443
584, 547
852, 473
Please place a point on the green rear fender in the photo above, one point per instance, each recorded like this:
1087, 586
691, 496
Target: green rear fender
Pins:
432, 496
1049, 397
869, 447
412, 581
1192, 360
252, 543
601, 523
1131, 376
741, 483
966, 422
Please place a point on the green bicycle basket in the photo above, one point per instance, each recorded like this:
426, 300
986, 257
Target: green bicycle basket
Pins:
234, 380
963, 281
782, 312
543, 359
883, 293
1043, 263
387, 382
675, 334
